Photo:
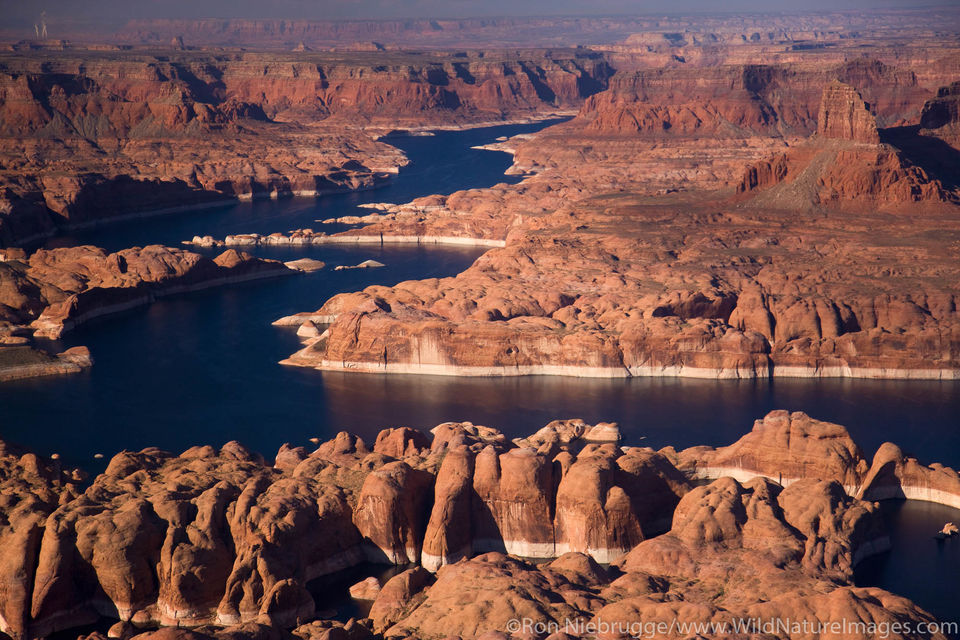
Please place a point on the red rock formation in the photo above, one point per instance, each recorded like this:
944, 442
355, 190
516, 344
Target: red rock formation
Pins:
218, 537
645, 289
137, 133
236, 542
399, 596
790, 447
734, 551
450, 530
783, 526
401, 442
544, 503
81, 143
390, 512
57, 289
785, 447
845, 116
32, 488
895, 475
637, 284
835, 173
944, 110
595, 512
483, 594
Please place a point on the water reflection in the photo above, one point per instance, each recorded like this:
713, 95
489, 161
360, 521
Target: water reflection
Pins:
919, 566
653, 411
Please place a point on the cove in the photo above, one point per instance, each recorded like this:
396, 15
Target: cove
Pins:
201, 368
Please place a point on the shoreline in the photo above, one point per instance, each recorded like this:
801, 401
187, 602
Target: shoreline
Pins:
148, 298
388, 173
70, 227
40, 370
211, 204
256, 240
420, 129
904, 492
577, 371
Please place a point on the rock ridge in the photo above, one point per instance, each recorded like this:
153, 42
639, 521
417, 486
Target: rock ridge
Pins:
215, 538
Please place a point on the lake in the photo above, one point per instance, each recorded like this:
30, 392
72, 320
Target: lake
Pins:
201, 368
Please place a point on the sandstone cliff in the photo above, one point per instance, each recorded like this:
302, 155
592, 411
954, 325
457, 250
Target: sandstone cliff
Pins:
621, 287
845, 163
126, 133
790, 447
638, 281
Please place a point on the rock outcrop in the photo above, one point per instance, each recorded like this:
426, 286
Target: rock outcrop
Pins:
205, 537
844, 164
734, 552
845, 116
621, 287
546, 502
19, 359
786, 447
54, 290
895, 475
660, 284
221, 542
944, 110
137, 133
792, 447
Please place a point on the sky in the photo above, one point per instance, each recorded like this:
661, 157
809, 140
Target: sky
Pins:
118, 11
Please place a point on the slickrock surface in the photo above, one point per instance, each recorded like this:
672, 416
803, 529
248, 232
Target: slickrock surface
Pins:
789, 447
54, 290
785, 447
22, 360
32, 488
602, 275
221, 542
895, 475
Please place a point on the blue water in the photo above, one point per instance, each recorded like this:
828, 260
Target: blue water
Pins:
918, 566
201, 368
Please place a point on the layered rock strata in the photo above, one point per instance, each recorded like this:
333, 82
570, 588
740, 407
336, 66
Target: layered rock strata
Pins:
845, 164
133, 133
591, 282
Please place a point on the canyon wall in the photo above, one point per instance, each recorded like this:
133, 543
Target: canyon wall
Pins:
89, 136
628, 253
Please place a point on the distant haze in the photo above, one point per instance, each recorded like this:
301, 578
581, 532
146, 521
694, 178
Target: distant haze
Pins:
18, 12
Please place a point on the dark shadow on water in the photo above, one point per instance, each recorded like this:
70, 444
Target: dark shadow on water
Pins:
331, 593
919, 565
